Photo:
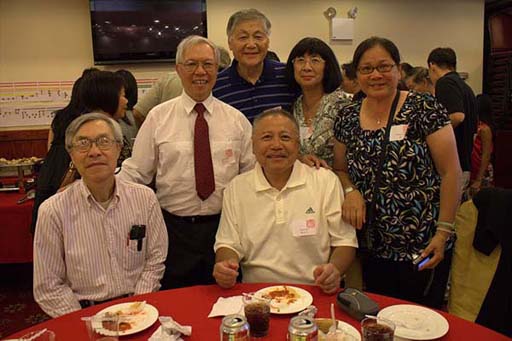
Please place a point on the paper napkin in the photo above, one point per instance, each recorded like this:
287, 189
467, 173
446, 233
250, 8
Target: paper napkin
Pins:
227, 306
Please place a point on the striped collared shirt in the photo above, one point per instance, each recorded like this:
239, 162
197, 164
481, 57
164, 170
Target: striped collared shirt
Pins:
271, 89
83, 251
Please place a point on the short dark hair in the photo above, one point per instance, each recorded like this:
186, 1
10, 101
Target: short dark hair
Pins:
484, 109
332, 74
350, 71
130, 87
369, 43
100, 90
444, 57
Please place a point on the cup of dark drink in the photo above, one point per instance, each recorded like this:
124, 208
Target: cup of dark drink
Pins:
377, 329
257, 313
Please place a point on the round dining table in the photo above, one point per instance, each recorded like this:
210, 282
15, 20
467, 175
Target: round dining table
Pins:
191, 306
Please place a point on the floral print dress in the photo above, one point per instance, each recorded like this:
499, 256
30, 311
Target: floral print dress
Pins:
407, 205
317, 138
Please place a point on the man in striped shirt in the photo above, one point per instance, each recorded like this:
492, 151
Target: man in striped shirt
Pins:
102, 237
252, 83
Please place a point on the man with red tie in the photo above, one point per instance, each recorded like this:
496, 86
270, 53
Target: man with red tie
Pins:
192, 145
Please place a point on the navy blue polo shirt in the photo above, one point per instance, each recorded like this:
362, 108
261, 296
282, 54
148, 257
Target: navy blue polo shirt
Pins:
270, 90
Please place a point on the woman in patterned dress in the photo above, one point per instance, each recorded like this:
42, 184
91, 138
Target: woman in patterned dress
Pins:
418, 194
312, 69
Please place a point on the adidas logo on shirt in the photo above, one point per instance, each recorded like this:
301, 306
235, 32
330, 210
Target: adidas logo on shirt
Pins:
310, 211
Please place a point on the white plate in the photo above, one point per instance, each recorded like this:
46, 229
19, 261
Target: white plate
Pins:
346, 328
414, 322
303, 300
140, 321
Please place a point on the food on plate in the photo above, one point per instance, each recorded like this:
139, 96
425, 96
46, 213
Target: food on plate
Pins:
282, 295
111, 325
22, 161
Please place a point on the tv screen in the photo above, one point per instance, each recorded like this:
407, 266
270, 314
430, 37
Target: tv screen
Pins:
133, 31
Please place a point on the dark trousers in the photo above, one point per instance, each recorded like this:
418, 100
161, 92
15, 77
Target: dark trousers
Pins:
190, 257
401, 280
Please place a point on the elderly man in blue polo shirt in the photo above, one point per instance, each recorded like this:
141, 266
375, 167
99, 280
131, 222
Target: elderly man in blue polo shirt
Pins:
252, 83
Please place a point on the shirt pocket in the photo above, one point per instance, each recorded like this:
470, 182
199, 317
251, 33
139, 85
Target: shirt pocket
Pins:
226, 158
177, 155
134, 259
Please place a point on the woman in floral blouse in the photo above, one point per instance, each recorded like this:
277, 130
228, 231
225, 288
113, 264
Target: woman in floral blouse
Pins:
417, 197
313, 70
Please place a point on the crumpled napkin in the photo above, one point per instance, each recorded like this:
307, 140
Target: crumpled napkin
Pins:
170, 330
227, 306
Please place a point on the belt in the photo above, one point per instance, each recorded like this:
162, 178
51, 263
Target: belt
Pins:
195, 219
89, 303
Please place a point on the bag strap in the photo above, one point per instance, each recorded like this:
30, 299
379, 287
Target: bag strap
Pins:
378, 177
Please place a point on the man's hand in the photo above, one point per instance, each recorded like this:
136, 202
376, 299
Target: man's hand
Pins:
313, 161
225, 273
354, 209
327, 277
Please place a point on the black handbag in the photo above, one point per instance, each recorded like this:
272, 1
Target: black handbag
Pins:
357, 304
363, 235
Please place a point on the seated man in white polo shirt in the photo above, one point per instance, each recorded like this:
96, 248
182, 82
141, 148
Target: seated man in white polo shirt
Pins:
282, 220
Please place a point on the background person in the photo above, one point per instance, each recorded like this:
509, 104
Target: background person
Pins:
127, 123
103, 92
481, 167
296, 235
416, 200
312, 69
458, 98
81, 252
420, 81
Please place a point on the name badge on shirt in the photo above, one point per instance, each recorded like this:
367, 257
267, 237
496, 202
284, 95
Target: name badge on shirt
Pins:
301, 228
229, 156
397, 132
305, 132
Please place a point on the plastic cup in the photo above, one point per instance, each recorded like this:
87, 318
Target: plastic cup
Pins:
257, 312
103, 327
377, 329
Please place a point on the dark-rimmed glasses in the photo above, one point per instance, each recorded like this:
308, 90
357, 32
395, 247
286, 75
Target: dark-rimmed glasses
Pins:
382, 68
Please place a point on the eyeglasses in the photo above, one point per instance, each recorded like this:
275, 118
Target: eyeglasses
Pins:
192, 65
382, 68
103, 143
313, 61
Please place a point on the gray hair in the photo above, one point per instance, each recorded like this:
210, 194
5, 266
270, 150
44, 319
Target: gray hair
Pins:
277, 111
78, 122
246, 15
192, 41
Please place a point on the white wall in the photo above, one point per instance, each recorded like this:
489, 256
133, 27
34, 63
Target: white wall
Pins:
51, 39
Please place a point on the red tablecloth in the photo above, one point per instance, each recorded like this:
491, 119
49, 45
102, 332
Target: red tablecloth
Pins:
15, 236
190, 306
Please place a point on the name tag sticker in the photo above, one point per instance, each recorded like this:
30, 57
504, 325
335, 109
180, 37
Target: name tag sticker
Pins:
305, 132
302, 228
397, 132
228, 156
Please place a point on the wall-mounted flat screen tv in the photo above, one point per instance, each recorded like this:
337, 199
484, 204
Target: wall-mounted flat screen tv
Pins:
136, 31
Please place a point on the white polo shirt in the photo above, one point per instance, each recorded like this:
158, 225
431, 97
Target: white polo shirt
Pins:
281, 236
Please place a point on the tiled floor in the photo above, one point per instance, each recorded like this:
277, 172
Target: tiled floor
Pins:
18, 310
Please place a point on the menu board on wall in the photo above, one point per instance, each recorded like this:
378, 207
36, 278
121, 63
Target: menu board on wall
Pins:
34, 103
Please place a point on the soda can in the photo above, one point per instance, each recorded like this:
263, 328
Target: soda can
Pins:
234, 328
302, 328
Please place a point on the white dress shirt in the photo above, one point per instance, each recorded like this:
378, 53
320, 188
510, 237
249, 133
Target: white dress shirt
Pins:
83, 252
281, 236
165, 147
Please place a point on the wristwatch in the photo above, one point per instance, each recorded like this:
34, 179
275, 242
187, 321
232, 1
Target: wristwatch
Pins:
348, 190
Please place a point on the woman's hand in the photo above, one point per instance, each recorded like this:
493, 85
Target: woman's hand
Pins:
435, 248
354, 209
474, 187
313, 161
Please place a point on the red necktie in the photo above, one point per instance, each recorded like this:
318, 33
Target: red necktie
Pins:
203, 166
